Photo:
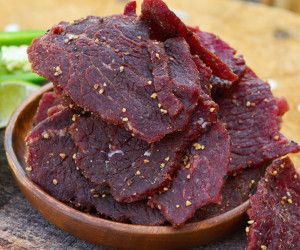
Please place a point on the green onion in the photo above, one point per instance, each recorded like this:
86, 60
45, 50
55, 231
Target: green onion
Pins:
30, 77
19, 38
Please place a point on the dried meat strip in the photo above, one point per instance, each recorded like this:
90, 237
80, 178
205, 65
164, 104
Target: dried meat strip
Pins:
252, 117
165, 24
104, 66
131, 167
51, 166
275, 209
200, 180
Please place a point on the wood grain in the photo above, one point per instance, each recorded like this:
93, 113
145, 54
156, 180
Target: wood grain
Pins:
268, 37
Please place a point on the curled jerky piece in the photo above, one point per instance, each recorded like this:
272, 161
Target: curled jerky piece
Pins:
226, 53
107, 65
165, 24
51, 166
48, 100
252, 117
131, 167
275, 209
237, 189
200, 180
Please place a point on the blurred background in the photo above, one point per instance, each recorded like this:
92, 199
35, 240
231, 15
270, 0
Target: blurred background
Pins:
27, 14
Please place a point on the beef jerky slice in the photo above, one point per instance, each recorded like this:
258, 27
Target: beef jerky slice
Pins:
252, 116
131, 167
275, 209
57, 121
51, 165
237, 189
165, 24
130, 8
226, 53
104, 65
200, 180
48, 100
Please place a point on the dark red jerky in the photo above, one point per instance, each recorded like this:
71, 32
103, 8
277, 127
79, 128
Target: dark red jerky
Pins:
200, 180
237, 189
226, 53
131, 167
135, 213
163, 83
165, 24
109, 55
252, 117
55, 109
130, 8
48, 100
57, 121
205, 75
54, 170
275, 209
188, 71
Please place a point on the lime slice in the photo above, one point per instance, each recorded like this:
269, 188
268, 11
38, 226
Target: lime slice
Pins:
12, 94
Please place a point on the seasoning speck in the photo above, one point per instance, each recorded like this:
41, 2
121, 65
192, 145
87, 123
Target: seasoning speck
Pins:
263, 247
146, 161
124, 110
154, 96
248, 104
62, 156
55, 182
101, 91
121, 69
138, 172
188, 203
74, 156
163, 111
177, 206
57, 71
157, 55
149, 82
29, 169
125, 119
46, 135
198, 146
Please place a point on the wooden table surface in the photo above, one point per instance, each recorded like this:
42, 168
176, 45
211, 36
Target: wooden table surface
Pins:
269, 38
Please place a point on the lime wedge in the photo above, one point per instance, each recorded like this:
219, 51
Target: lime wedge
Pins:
12, 94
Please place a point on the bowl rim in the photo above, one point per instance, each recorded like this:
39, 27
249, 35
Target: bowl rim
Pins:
19, 174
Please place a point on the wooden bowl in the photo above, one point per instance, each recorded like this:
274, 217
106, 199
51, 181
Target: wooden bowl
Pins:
101, 231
